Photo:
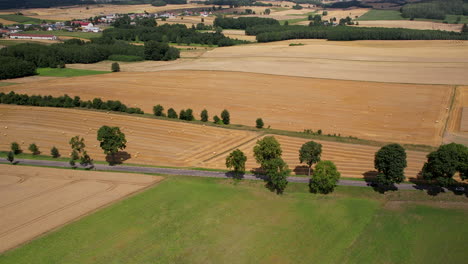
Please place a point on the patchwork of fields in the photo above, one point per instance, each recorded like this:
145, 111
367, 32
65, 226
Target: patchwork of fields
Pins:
36, 200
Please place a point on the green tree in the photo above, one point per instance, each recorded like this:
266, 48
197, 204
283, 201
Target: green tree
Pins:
443, 163
34, 149
77, 144
216, 119
189, 115
158, 110
85, 159
115, 67
226, 117
171, 113
204, 115
277, 171
310, 153
390, 162
236, 160
267, 149
325, 177
15, 147
182, 115
74, 155
11, 156
267, 11
259, 123
54, 152
112, 140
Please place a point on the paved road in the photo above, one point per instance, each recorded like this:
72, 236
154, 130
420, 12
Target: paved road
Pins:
186, 172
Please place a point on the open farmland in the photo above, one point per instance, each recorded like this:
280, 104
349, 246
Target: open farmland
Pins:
424, 62
411, 24
454, 131
351, 160
405, 113
165, 143
36, 200
202, 220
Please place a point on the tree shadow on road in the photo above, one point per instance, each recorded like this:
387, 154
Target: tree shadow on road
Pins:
235, 175
370, 177
302, 170
118, 158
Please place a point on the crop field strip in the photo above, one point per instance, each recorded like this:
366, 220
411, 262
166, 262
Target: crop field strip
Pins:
454, 131
37, 200
405, 113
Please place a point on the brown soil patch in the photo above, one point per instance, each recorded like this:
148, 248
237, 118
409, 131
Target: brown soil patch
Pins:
411, 24
403, 113
7, 22
31, 79
42, 199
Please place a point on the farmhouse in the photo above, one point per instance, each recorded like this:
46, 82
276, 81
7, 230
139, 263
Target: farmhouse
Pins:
30, 36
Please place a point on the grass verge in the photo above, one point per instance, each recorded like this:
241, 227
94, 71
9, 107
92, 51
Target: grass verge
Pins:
57, 72
202, 220
381, 15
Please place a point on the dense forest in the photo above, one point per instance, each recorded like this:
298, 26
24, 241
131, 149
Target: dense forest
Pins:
12, 67
345, 33
8, 4
176, 33
243, 22
435, 9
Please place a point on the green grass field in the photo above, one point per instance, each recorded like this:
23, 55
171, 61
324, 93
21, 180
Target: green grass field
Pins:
381, 15
6, 84
21, 19
67, 72
203, 220
83, 35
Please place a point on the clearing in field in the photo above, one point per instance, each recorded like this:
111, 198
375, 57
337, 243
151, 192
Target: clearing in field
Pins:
201, 220
36, 200
414, 114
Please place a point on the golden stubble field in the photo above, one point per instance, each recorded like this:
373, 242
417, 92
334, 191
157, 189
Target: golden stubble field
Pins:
166, 143
454, 133
36, 200
404, 113
411, 24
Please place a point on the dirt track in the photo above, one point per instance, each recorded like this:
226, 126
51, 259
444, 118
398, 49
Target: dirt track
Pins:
454, 133
404, 113
166, 143
36, 200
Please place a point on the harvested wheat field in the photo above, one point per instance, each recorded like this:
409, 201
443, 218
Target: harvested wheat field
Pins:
343, 13
149, 141
457, 125
36, 200
428, 62
411, 24
351, 160
404, 113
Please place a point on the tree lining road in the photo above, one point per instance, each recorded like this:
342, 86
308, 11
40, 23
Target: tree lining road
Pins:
188, 172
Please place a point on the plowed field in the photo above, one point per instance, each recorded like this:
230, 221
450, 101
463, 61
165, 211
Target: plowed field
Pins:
36, 200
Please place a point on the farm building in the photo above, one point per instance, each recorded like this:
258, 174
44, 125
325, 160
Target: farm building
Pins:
30, 36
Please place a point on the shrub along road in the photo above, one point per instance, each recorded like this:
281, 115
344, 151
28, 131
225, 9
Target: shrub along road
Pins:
188, 172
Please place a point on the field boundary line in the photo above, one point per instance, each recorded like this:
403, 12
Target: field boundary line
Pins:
238, 146
450, 111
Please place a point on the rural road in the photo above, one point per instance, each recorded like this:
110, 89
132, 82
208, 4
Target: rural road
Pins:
187, 172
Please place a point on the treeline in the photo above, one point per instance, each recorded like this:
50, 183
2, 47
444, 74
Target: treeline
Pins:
243, 22
177, 33
12, 68
348, 4
435, 9
66, 102
14, 4
344, 33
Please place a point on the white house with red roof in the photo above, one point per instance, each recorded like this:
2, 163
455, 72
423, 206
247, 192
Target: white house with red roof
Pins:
32, 36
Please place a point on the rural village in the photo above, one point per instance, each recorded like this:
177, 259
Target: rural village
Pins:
233, 131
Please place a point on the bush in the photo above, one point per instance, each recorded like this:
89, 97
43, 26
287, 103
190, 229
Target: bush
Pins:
34, 149
125, 58
158, 110
11, 157
171, 113
325, 177
259, 123
115, 67
226, 117
15, 148
204, 115
216, 119
54, 152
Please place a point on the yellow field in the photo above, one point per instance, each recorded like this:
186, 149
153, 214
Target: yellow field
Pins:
36, 200
166, 143
404, 113
454, 131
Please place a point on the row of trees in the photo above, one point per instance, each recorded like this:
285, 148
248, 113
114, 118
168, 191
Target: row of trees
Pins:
187, 114
390, 163
177, 33
243, 22
66, 102
435, 9
343, 33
